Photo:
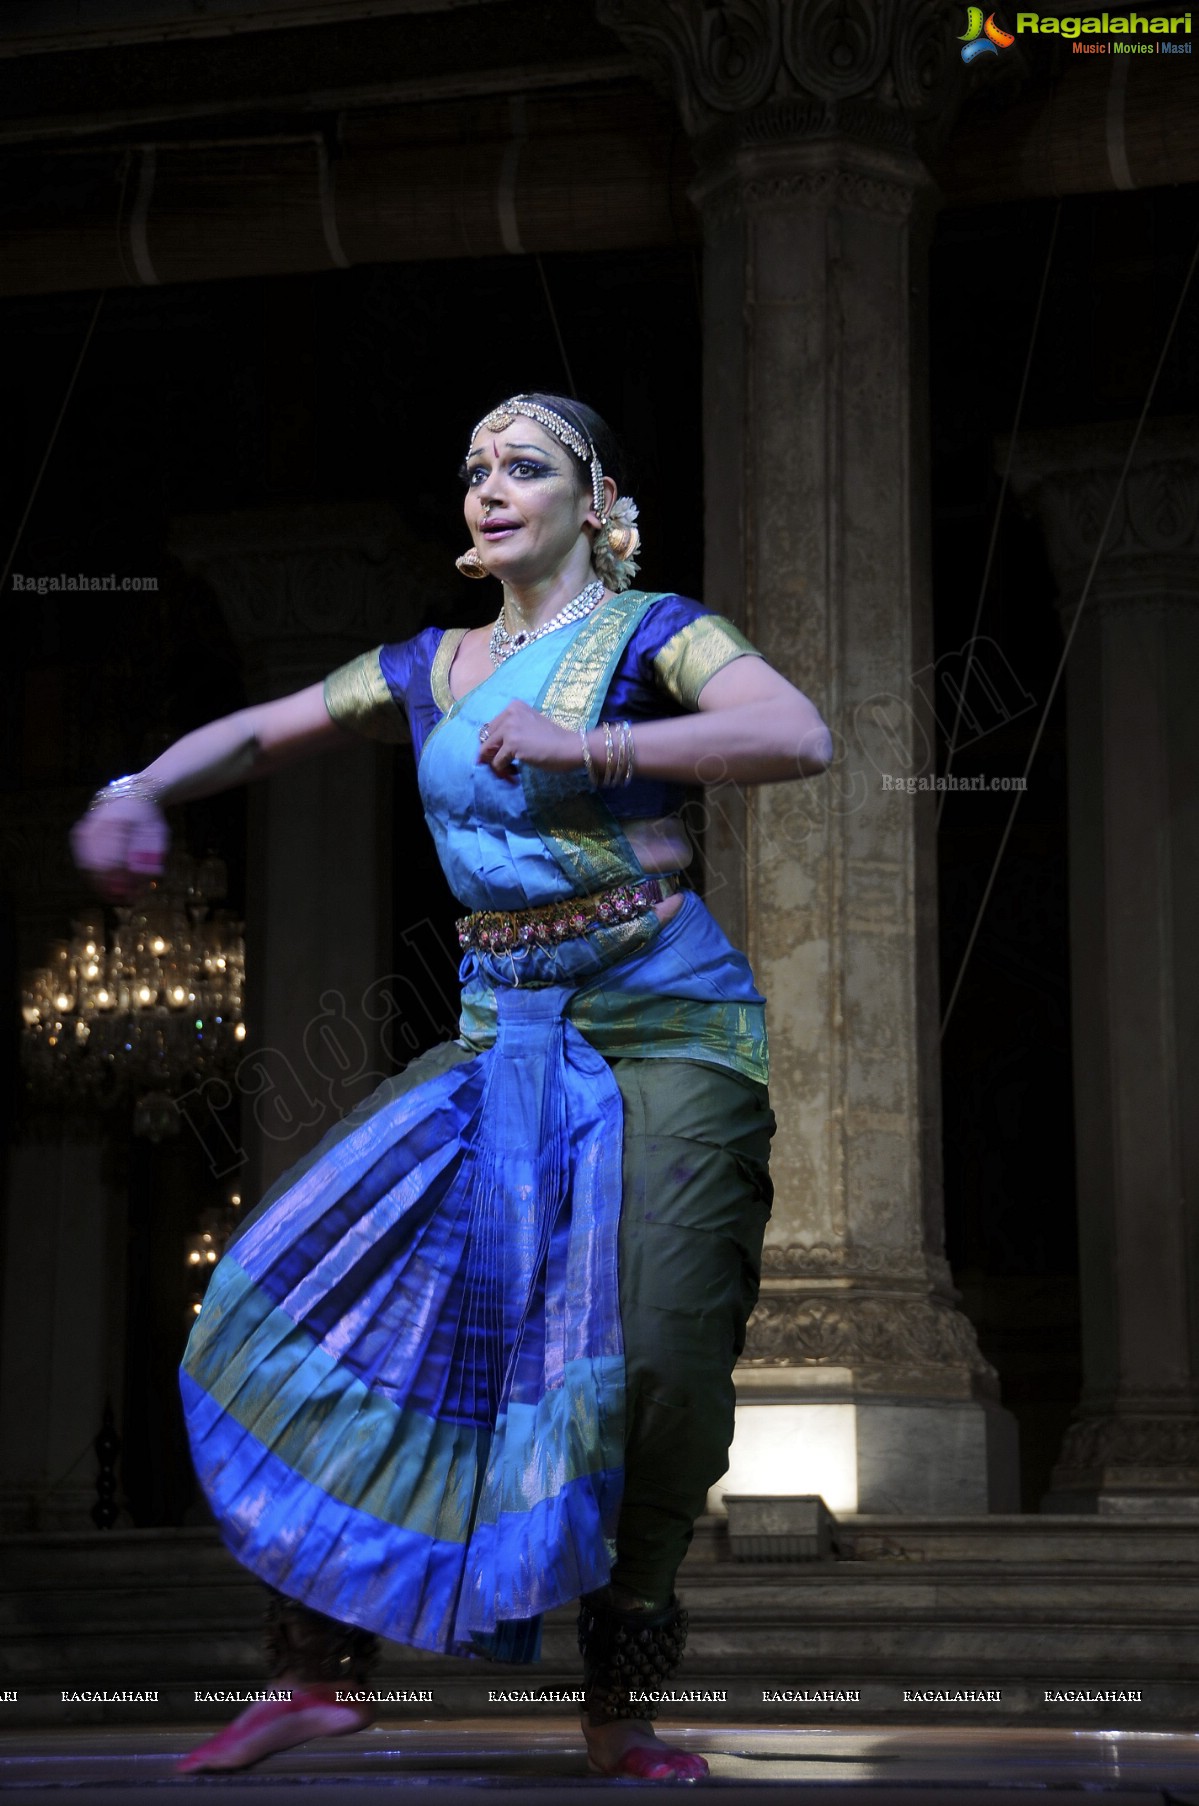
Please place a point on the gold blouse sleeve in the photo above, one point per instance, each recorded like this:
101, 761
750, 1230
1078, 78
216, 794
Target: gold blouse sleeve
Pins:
357, 696
697, 652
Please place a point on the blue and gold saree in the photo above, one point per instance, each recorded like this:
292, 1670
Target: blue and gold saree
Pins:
405, 1389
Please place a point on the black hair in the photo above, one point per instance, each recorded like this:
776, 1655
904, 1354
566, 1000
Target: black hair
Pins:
586, 421
593, 427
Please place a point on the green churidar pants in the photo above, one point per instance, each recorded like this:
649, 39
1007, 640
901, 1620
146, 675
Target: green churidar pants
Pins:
695, 1202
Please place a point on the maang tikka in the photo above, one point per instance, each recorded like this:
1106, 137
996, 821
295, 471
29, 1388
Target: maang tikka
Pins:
618, 541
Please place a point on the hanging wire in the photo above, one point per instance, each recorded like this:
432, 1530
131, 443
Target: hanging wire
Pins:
549, 301
1073, 629
118, 223
1003, 487
37, 481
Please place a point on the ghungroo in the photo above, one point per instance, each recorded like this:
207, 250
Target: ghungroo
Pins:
311, 1647
624, 1652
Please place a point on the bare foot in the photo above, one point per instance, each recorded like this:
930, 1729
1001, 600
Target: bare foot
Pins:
270, 1725
628, 1746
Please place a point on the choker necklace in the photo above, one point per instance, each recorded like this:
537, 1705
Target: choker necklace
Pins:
504, 644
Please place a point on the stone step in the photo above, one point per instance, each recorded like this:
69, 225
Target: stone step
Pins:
1027, 1541
1016, 1606
197, 1554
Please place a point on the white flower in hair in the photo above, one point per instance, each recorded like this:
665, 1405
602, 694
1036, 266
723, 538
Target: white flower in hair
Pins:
617, 544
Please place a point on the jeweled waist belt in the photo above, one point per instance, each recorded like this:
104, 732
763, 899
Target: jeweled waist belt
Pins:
548, 923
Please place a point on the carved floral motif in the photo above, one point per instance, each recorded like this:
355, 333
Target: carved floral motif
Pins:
725, 57
824, 1259
838, 48
1138, 1442
861, 1331
847, 187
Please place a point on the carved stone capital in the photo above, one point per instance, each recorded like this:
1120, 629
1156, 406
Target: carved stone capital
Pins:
895, 1342
1131, 1451
305, 585
876, 69
1070, 479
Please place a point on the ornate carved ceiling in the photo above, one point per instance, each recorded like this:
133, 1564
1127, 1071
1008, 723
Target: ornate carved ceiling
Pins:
329, 60
315, 132
34, 27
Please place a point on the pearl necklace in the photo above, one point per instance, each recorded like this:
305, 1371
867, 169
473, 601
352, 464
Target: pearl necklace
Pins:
503, 644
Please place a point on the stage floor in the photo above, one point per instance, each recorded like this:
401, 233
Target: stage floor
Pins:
453, 1764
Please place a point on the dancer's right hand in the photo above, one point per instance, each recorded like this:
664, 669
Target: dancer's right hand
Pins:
121, 844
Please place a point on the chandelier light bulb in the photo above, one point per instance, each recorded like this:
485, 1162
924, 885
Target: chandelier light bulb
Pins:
138, 1014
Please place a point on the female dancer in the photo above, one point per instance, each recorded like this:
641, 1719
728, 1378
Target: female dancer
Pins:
472, 1358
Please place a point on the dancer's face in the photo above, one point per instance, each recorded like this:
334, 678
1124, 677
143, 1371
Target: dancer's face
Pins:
525, 503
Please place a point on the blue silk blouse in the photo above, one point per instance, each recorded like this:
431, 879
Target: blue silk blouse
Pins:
646, 685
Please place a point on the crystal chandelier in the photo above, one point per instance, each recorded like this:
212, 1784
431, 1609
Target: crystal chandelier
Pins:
146, 1014
204, 1249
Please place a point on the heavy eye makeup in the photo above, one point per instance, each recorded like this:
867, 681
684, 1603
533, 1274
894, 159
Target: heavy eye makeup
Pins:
526, 469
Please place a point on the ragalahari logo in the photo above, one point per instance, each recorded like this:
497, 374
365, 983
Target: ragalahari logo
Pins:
982, 37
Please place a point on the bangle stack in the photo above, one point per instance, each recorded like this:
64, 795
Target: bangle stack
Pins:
619, 755
134, 786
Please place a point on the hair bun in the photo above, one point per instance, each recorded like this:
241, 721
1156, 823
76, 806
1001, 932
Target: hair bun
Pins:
617, 544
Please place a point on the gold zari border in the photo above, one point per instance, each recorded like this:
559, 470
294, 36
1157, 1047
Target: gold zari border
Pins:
357, 697
697, 652
439, 670
577, 826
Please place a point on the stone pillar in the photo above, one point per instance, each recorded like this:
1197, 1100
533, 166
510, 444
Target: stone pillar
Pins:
63, 1226
1134, 900
862, 1381
304, 587
61, 1332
